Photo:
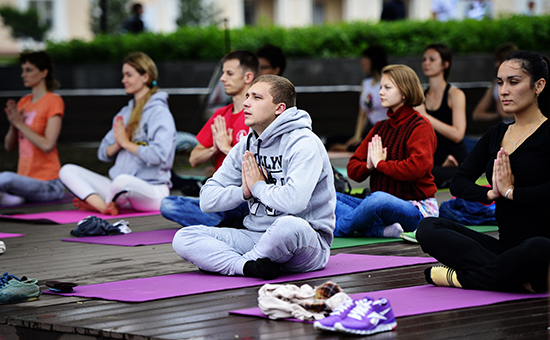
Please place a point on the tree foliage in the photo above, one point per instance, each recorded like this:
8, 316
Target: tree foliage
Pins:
343, 40
197, 13
24, 24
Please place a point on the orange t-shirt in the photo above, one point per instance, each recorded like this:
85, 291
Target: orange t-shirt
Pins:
34, 162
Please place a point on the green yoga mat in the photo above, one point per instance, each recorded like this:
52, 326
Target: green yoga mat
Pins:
483, 228
347, 242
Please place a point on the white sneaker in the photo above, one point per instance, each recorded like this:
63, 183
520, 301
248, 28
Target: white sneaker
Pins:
123, 226
2, 247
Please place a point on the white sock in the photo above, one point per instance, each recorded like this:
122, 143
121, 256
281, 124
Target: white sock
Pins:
393, 230
9, 200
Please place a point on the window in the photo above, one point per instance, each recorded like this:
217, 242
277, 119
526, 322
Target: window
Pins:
45, 10
318, 13
250, 13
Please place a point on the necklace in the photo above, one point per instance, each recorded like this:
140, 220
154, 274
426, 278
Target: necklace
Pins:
525, 134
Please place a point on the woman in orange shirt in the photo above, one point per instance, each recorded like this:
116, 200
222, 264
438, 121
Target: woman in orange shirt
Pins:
35, 124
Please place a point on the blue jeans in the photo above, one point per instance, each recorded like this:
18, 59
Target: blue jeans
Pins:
369, 216
31, 189
187, 211
185, 141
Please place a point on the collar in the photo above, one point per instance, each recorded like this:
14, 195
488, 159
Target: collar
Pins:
400, 115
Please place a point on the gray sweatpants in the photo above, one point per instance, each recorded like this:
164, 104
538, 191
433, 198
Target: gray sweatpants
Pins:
290, 241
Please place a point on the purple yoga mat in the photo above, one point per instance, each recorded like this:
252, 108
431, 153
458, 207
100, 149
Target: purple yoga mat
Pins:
142, 238
8, 235
426, 299
72, 216
161, 287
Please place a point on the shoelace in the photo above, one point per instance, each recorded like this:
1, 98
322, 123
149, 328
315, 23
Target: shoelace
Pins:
5, 278
340, 309
361, 309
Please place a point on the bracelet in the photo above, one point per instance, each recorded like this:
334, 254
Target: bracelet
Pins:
507, 192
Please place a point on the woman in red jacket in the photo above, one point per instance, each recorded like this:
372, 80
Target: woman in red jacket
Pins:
397, 155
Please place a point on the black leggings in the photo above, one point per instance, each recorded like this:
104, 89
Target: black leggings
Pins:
483, 262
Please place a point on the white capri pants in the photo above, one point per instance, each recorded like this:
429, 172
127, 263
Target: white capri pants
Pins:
125, 190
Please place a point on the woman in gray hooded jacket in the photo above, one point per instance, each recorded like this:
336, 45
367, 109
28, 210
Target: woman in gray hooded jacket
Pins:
141, 143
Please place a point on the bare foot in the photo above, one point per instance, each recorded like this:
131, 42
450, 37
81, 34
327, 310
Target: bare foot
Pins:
82, 205
112, 209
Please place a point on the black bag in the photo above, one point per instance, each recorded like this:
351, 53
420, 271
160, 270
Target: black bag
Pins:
341, 184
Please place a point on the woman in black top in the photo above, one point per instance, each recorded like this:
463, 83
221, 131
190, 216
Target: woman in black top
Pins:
445, 108
516, 160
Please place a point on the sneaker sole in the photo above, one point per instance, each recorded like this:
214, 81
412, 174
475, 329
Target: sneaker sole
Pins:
21, 300
407, 238
378, 329
321, 327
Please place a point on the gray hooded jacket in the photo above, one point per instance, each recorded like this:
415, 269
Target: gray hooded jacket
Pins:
302, 181
156, 137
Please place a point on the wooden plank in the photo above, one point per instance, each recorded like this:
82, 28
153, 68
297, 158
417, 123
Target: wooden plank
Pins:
42, 254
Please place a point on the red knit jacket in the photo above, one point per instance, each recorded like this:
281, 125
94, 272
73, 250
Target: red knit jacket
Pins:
406, 173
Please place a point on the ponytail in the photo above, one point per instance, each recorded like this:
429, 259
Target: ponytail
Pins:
135, 118
143, 64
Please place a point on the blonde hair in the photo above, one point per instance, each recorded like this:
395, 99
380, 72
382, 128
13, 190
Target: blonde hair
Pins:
143, 64
407, 82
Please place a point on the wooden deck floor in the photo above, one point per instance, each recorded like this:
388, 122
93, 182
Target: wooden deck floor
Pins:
42, 255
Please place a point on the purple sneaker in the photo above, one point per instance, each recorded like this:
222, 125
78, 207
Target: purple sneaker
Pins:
368, 318
327, 324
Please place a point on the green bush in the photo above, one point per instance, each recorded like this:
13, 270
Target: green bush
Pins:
342, 40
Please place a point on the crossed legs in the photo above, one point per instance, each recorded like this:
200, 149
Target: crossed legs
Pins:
483, 262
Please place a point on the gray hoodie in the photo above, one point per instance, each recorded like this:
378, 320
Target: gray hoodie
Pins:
297, 162
156, 137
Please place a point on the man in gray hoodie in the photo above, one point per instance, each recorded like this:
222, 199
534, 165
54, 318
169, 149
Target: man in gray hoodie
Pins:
283, 171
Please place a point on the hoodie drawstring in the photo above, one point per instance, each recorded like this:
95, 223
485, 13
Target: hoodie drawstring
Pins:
269, 179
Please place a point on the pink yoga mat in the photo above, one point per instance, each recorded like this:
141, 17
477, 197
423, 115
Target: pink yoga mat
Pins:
72, 216
426, 299
142, 238
161, 287
8, 235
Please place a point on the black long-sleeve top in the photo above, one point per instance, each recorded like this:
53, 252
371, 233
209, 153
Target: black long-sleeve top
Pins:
528, 214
